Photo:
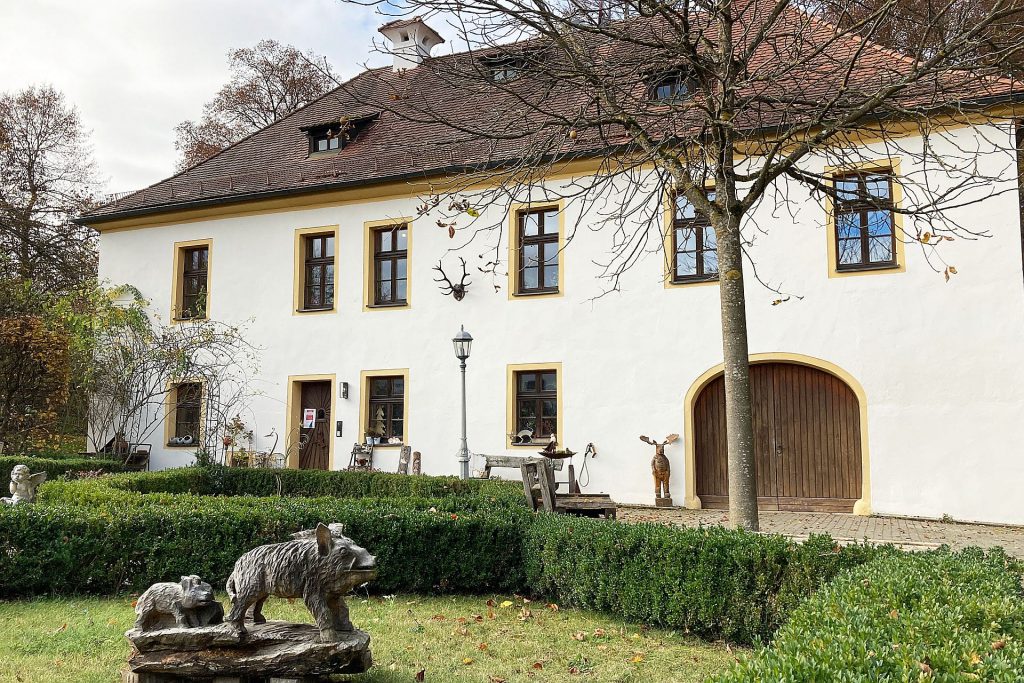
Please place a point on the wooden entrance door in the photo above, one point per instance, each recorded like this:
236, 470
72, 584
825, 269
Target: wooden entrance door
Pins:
806, 440
314, 448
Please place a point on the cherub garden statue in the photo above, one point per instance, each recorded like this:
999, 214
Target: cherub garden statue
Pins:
661, 469
23, 485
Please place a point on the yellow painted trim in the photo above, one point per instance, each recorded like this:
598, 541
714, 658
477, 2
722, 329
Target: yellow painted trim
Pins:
299, 273
177, 273
368, 229
171, 406
892, 164
668, 247
510, 401
293, 416
862, 506
513, 248
364, 399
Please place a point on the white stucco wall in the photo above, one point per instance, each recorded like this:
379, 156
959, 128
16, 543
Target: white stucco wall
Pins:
938, 362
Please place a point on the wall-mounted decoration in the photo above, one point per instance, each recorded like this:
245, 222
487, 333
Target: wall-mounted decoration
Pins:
457, 291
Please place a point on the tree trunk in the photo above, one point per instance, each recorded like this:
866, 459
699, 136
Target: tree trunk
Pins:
738, 422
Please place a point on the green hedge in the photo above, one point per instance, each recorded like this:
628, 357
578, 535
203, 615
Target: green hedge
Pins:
74, 549
97, 536
710, 581
55, 467
237, 481
931, 617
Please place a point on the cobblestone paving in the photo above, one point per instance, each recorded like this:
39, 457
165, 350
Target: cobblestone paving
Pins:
909, 533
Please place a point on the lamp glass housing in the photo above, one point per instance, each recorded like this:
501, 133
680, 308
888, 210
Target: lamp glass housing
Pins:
463, 343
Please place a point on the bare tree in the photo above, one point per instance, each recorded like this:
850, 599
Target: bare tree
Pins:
47, 178
268, 81
137, 362
755, 100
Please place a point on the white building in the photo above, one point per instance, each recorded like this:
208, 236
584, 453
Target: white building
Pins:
884, 389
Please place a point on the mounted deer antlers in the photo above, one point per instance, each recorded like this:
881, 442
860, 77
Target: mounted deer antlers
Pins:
458, 291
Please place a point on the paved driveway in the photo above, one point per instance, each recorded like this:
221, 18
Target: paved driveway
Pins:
909, 533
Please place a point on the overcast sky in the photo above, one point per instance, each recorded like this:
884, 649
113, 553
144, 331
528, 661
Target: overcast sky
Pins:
136, 68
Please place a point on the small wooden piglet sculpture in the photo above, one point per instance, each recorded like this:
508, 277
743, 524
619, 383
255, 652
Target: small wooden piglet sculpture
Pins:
660, 467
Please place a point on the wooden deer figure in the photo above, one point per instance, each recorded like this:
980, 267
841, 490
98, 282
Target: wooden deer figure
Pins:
660, 467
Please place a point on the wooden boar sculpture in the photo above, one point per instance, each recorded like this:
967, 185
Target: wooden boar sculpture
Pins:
321, 566
661, 469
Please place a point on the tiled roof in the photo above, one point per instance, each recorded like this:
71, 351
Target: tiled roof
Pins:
276, 160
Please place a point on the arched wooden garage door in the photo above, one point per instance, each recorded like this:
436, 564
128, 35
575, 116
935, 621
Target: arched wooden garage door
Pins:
806, 440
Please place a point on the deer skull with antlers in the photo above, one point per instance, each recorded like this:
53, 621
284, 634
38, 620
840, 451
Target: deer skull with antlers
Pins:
458, 291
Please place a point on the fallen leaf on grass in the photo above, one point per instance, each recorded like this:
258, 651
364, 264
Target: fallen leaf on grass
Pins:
553, 607
438, 617
975, 659
538, 665
637, 659
999, 645
421, 675
467, 660
490, 603
497, 679
506, 604
482, 647
477, 618
63, 627
599, 633
525, 614
461, 632
580, 636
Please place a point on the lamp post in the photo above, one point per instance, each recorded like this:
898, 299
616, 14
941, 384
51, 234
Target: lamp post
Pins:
463, 342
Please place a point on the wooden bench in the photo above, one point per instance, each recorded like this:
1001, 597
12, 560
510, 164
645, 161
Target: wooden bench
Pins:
539, 489
511, 462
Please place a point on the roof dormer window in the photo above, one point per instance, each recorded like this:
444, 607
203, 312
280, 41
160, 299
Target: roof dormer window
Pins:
325, 141
508, 70
671, 87
337, 134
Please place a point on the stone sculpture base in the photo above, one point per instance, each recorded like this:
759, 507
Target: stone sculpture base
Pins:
660, 502
274, 651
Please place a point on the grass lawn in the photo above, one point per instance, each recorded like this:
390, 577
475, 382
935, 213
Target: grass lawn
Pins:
451, 638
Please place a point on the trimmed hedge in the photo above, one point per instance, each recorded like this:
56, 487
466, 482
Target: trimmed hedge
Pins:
933, 616
104, 536
75, 549
55, 467
238, 481
711, 581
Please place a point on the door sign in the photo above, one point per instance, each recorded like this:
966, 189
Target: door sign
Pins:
308, 418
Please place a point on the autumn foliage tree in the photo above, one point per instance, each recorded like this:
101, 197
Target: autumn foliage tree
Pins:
34, 374
47, 177
268, 82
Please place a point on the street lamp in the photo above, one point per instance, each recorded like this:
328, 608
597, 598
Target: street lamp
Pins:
463, 342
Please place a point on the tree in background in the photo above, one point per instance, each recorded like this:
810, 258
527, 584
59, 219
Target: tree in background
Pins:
268, 81
47, 177
757, 100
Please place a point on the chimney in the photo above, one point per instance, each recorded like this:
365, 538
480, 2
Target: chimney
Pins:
411, 41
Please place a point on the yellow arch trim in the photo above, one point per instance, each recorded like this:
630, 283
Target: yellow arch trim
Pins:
692, 501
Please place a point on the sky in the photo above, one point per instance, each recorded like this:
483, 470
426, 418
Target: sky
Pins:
137, 68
